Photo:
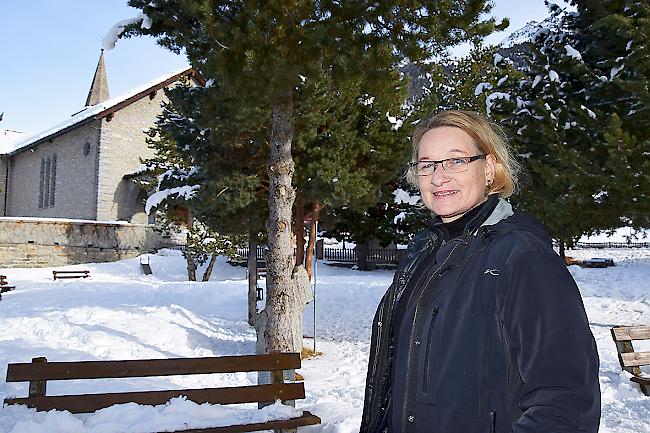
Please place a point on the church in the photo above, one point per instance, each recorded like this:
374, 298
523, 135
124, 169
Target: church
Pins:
86, 167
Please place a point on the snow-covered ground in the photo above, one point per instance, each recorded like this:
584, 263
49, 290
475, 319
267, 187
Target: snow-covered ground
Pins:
119, 313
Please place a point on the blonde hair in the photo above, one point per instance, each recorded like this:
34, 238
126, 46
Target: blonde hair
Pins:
488, 137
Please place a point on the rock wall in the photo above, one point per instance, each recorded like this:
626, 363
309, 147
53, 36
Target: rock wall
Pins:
42, 243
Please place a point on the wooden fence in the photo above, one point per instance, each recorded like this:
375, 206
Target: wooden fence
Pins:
600, 245
347, 255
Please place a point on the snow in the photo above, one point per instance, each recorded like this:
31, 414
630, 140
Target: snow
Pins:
9, 139
177, 414
119, 313
65, 220
94, 110
489, 101
481, 87
185, 191
402, 196
615, 70
619, 235
572, 52
113, 34
553, 76
536, 81
397, 123
589, 112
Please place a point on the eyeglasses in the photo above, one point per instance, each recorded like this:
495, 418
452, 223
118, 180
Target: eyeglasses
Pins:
451, 165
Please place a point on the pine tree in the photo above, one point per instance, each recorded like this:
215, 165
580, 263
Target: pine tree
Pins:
175, 181
614, 39
345, 148
256, 53
582, 164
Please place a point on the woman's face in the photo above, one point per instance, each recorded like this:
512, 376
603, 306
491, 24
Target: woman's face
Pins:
451, 195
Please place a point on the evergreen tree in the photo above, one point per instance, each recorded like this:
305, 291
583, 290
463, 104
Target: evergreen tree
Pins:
256, 53
613, 38
345, 148
175, 181
581, 162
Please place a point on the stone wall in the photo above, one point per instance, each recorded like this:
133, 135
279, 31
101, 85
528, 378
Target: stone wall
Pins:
41, 243
3, 183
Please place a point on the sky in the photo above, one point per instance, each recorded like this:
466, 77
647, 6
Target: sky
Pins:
49, 51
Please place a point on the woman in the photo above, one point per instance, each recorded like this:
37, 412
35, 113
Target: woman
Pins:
483, 329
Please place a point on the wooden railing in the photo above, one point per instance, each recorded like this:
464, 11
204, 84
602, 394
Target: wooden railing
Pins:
600, 245
347, 255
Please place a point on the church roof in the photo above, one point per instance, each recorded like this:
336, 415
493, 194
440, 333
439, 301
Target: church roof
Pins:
99, 87
102, 109
9, 138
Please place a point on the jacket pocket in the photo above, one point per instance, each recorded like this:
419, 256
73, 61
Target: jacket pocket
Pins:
428, 354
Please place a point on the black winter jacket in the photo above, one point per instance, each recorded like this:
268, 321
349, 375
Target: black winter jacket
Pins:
499, 340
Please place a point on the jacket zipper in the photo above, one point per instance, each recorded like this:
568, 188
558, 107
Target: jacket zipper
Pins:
415, 315
402, 280
493, 422
425, 385
379, 335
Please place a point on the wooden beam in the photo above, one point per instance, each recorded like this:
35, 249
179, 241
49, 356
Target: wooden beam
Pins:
151, 367
635, 359
629, 333
306, 419
86, 403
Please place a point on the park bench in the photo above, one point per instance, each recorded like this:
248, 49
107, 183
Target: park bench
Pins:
39, 371
597, 262
70, 274
4, 286
631, 360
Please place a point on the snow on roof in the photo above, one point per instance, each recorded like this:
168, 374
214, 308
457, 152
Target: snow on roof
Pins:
94, 110
9, 139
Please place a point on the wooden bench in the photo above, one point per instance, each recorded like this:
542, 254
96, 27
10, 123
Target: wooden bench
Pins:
630, 360
70, 274
39, 371
4, 286
597, 262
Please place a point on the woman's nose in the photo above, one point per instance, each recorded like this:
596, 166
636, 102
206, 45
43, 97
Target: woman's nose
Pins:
439, 175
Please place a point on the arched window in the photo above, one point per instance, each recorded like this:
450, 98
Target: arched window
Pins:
47, 184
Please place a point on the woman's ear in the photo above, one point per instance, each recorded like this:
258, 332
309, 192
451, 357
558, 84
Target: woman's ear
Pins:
490, 168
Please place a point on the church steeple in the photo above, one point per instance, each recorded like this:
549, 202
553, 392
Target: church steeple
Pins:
99, 88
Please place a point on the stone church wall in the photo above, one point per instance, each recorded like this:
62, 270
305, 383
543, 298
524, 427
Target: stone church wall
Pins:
123, 144
37, 243
74, 176
3, 183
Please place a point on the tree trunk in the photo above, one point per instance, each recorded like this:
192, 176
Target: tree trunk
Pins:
299, 231
309, 258
252, 280
362, 256
279, 325
189, 257
208, 270
562, 254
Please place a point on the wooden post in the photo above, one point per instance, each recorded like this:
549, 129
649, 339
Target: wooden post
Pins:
37, 388
625, 346
252, 280
278, 377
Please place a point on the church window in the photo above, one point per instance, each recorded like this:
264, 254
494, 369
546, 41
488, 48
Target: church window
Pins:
47, 184
87, 148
